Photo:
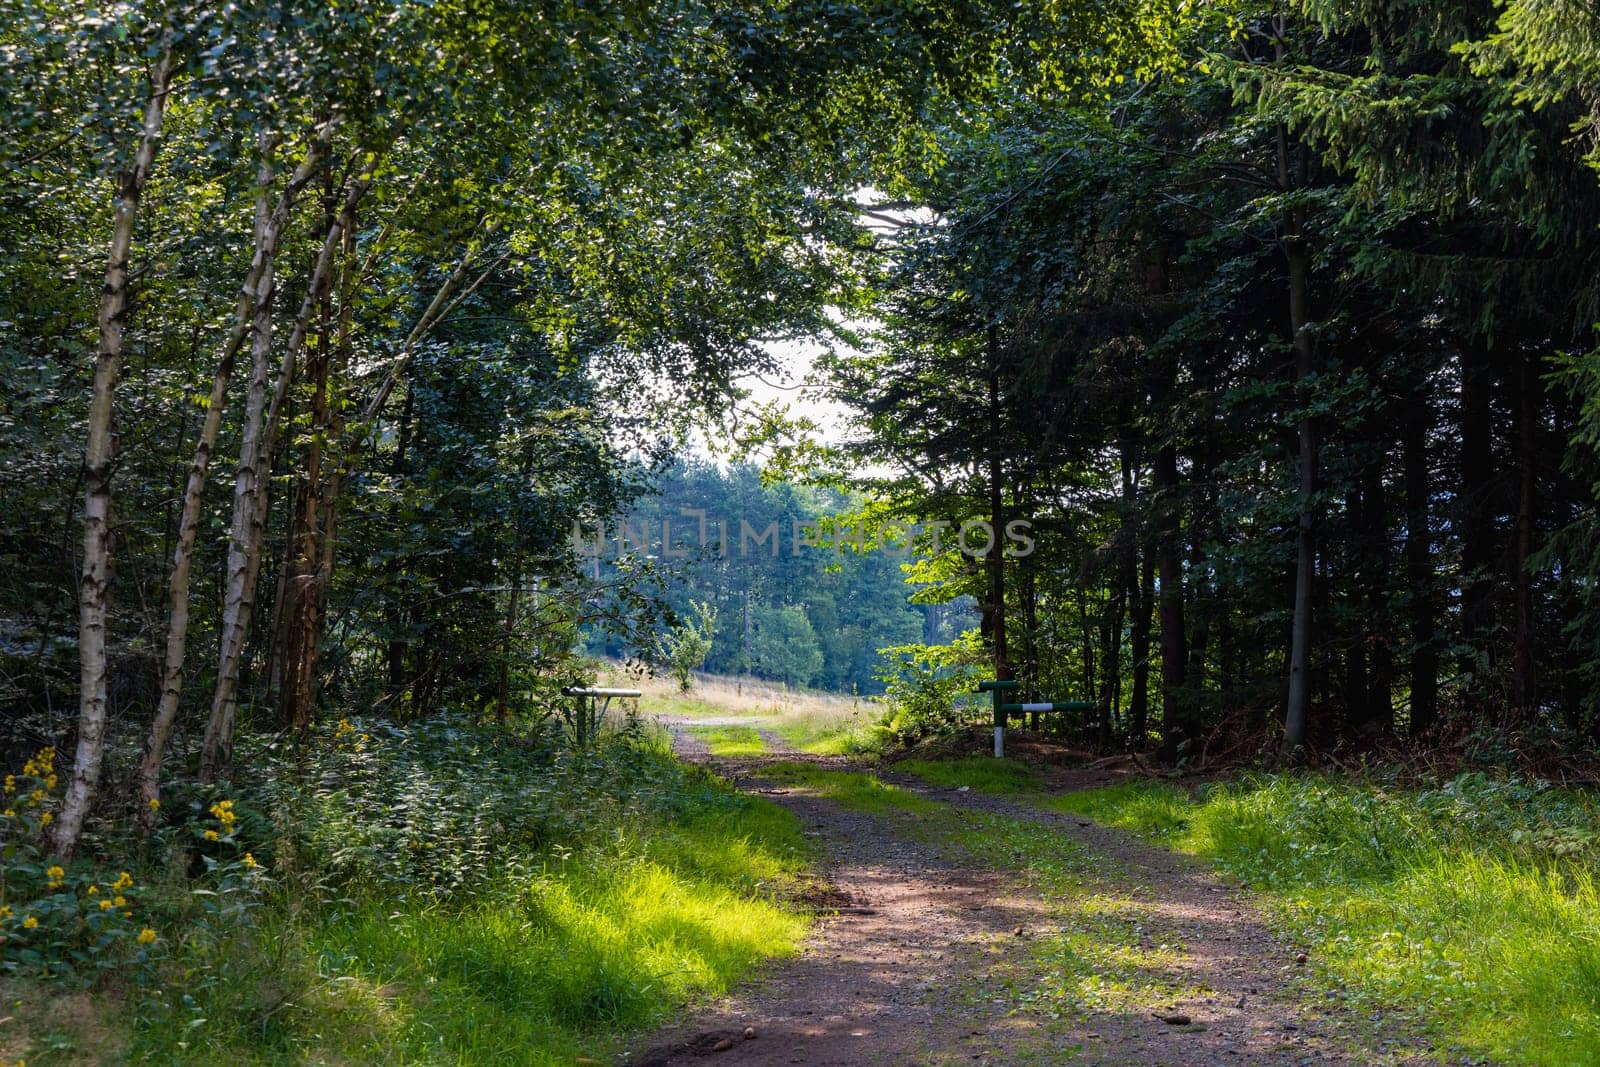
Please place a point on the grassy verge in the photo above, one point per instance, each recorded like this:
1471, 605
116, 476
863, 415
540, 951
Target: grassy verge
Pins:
449, 897
1472, 903
981, 773
730, 740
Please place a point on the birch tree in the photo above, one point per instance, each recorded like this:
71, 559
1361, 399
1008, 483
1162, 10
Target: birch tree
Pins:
95, 584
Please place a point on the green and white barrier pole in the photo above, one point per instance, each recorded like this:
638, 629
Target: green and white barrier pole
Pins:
996, 689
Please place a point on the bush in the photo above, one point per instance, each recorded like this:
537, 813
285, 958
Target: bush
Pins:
432, 806
686, 646
928, 687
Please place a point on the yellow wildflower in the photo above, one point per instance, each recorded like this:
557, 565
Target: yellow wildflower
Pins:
11, 813
124, 881
155, 805
146, 936
211, 835
55, 874
94, 890
5, 911
106, 905
120, 902
11, 783
46, 819
250, 862
50, 782
30, 923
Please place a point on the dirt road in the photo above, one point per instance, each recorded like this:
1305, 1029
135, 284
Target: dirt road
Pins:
939, 949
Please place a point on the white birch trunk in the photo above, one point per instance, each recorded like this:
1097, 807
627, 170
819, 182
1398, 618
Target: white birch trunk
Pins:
269, 225
95, 587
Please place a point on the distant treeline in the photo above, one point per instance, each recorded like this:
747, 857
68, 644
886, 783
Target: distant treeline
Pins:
796, 599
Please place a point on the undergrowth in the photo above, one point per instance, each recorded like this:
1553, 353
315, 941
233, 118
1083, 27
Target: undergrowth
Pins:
438, 893
1472, 902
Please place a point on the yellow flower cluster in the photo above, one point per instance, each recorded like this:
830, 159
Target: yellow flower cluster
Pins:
55, 875
223, 810
146, 936
124, 881
249, 861
41, 766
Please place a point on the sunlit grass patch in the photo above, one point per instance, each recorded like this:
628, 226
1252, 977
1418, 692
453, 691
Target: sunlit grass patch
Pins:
850, 789
1098, 950
567, 933
730, 740
829, 734
589, 949
689, 705
1472, 903
552, 964
982, 773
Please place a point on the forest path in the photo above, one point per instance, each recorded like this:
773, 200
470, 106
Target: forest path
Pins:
980, 929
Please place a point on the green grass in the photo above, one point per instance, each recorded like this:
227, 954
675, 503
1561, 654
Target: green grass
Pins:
981, 773
690, 705
546, 965
849, 789
829, 735
468, 899
1472, 903
1098, 955
730, 740
558, 964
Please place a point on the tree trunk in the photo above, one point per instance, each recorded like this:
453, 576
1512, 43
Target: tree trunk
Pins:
94, 592
514, 603
1379, 690
250, 494
1111, 638
317, 619
1525, 693
304, 556
1128, 592
997, 556
1294, 720
1419, 565
1169, 563
257, 291
1477, 503
1139, 641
